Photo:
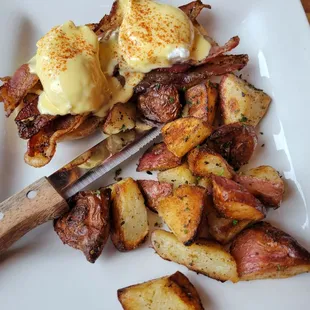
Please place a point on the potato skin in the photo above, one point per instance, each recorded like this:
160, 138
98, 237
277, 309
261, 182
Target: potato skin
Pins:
153, 191
264, 183
161, 103
183, 134
129, 225
170, 292
158, 157
233, 201
203, 162
235, 142
86, 226
201, 101
222, 229
241, 101
263, 251
183, 212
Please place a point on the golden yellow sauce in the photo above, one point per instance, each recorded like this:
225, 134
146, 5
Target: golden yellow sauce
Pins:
150, 32
76, 70
67, 63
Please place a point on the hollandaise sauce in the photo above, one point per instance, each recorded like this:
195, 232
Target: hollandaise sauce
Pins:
76, 70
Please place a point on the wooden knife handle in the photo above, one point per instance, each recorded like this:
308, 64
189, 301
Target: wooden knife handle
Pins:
33, 206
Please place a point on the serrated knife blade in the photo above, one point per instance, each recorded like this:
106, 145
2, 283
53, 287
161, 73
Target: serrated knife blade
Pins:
46, 199
72, 178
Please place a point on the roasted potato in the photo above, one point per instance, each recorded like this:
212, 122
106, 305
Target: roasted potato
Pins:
203, 162
129, 225
173, 292
264, 183
183, 212
177, 176
233, 201
161, 103
205, 257
241, 101
121, 117
265, 252
117, 142
158, 157
222, 229
201, 101
206, 182
183, 134
86, 226
154, 191
235, 142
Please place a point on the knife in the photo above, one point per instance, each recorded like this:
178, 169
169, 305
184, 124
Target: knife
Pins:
45, 199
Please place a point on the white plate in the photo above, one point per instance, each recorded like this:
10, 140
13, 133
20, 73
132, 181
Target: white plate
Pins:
40, 273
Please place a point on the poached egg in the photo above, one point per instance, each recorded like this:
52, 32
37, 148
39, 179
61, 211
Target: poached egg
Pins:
76, 69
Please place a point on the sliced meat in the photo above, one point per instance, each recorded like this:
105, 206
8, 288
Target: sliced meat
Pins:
160, 103
16, 88
29, 121
193, 9
218, 66
42, 146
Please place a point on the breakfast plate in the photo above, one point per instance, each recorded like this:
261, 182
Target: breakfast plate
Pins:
38, 271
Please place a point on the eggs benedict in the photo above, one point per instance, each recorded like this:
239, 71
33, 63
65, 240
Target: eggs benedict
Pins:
76, 70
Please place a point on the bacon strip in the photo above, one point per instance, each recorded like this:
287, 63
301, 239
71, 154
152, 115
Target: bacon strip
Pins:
29, 121
217, 66
14, 91
193, 9
42, 146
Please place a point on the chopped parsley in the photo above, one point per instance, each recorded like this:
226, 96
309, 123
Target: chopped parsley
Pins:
243, 94
171, 99
185, 231
243, 118
123, 127
117, 173
157, 86
186, 138
235, 222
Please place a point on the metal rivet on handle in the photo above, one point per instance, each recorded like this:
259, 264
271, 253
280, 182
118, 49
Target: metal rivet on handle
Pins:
31, 194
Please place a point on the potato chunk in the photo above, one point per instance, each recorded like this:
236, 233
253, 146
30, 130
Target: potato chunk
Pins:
158, 157
86, 226
129, 227
264, 183
233, 201
241, 101
160, 103
177, 176
183, 134
154, 191
122, 117
183, 212
205, 257
222, 229
203, 162
201, 101
235, 142
265, 252
173, 292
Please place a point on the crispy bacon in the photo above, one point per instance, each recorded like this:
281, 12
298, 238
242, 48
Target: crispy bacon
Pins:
217, 66
193, 9
29, 121
16, 88
42, 146
109, 22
